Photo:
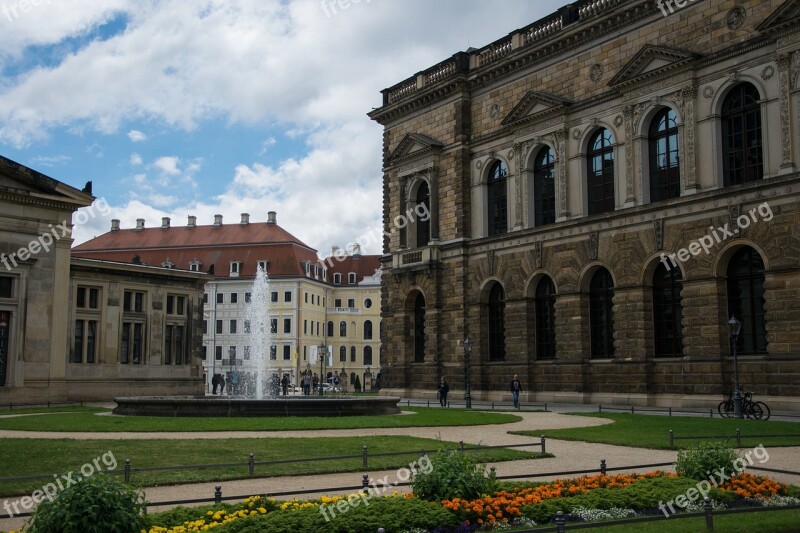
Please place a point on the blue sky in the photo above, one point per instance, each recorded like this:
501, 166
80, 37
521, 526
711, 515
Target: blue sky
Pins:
176, 108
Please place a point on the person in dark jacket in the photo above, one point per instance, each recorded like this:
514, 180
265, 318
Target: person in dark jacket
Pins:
516, 388
444, 388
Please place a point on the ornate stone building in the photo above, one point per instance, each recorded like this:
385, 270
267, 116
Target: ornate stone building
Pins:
607, 187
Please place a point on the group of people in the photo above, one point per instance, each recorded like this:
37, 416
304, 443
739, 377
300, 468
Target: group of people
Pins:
515, 386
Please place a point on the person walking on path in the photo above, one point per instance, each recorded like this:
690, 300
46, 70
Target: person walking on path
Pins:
516, 388
444, 388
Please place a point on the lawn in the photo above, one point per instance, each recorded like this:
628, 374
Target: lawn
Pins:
21, 457
647, 431
51, 410
90, 421
767, 521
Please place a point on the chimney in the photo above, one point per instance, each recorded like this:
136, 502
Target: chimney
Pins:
334, 249
139, 224
164, 222
271, 217
245, 219
114, 224
192, 222
217, 221
356, 250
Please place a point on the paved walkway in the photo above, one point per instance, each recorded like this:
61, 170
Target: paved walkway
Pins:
569, 455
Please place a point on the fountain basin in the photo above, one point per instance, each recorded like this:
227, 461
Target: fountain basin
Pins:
243, 407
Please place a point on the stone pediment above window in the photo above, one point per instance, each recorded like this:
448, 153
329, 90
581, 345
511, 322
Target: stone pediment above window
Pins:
787, 14
535, 106
414, 145
652, 61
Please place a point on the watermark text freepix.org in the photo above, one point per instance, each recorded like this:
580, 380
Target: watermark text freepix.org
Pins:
376, 488
62, 481
663, 5
329, 6
716, 236
715, 478
47, 239
12, 12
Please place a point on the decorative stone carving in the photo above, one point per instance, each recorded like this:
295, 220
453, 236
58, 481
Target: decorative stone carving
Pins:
733, 76
767, 72
784, 65
494, 111
796, 70
594, 242
688, 96
618, 120
479, 165
576, 133
630, 198
733, 213
513, 153
658, 230
537, 248
596, 72
561, 182
708, 92
490, 260
736, 17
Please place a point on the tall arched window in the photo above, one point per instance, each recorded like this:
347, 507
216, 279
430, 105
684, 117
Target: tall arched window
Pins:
343, 354
544, 189
667, 312
419, 329
498, 207
496, 311
545, 309
352, 354
368, 330
600, 184
343, 329
601, 313
367, 355
746, 299
423, 206
665, 173
741, 135
330, 328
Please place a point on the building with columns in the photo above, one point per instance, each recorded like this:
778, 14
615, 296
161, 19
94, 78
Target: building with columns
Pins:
608, 186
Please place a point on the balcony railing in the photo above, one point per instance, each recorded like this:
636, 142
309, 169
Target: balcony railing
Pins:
419, 256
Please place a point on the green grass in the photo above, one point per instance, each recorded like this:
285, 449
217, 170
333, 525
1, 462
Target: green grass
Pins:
647, 431
51, 410
21, 457
89, 421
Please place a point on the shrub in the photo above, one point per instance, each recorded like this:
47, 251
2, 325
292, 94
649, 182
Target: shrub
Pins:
696, 462
97, 504
453, 475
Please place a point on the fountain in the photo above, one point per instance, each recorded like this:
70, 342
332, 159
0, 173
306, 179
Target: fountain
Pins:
257, 400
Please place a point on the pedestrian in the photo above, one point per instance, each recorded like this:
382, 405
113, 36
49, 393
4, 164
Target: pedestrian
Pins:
221, 385
336, 383
307, 383
516, 388
285, 384
315, 381
444, 388
214, 383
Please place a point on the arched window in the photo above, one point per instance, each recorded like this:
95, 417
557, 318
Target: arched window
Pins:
544, 188
545, 309
496, 311
352, 377
665, 173
368, 330
419, 329
330, 328
337, 279
343, 354
423, 206
352, 354
746, 299
367, 355
498, 207
741, 136
600, 179
667, 312
601, 313
343, 329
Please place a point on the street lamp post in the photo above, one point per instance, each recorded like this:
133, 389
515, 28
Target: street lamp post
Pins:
322, 354
467, 369
734, 327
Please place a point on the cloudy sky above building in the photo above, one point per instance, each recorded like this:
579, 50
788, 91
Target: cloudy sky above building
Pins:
176, 108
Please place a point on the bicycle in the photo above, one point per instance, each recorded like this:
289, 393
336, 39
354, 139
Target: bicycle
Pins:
750, 409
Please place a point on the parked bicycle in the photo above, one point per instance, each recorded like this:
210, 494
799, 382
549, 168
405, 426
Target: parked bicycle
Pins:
750, 409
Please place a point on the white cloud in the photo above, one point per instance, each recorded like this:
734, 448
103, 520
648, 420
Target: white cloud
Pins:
50, 161
136, 136
136, 159
168, 165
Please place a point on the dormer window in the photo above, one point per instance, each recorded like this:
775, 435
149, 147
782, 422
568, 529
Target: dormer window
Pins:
168, 264
194, 265
236, 267
351, 278
263, 265
337, 279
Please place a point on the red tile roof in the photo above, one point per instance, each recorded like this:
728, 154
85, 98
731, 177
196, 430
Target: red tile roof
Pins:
362, 265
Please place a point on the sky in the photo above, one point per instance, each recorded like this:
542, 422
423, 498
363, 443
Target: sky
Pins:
177, 108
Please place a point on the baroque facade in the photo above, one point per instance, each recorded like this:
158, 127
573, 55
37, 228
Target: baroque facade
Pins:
607, 187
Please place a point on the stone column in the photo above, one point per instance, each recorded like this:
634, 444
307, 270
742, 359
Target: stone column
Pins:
632, 325
784, 63
781, 311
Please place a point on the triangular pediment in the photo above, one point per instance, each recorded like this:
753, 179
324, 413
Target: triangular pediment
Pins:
786, 14
18, 179
535, 105
413, 145
650, 61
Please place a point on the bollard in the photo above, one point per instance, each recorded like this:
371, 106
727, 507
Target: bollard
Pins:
492, 406
707, 509
560, 520
671, 439
543, 445
545, 407
738, 438
127, 471
599, 408
381, 530
603, 467
364, 457
670, 411
711, 413
218, 494
429, 403
251, 464
461, 446
492, 472
365, 483
631, 409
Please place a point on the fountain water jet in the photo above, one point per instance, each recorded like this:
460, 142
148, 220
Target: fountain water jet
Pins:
260, 336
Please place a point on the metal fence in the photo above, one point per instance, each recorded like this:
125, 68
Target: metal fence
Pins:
738, 436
